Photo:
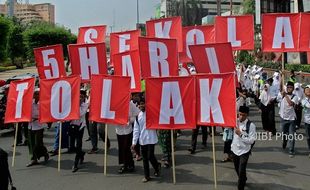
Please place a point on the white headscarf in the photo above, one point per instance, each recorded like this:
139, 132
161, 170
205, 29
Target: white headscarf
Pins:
265, 96
298, 91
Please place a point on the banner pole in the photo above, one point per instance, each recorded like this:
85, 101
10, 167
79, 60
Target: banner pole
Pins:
214, 159
173, 158
105, 149
15, 142
59, 145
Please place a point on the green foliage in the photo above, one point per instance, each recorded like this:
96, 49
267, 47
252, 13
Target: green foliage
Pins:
43, 34
248, 6
7, 68
5, 25
245, 57
298, 67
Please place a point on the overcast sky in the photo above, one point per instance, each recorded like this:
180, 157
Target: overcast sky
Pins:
75, 13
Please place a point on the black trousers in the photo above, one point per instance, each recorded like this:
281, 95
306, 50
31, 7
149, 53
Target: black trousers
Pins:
195, 132
36, 145
268, 118
78, 133
22, 128
240, 163
148, 155
124, 151
298, 111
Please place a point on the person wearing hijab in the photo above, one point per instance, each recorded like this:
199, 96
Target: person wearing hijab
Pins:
306, 104
267, 107
298, 91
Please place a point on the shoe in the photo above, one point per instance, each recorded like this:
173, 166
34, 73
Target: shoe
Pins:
284, 144
138, 158
82, 159
32, 163
93, 151
146, 179
88, 139
226, 160
291, 154
122, 170
74, 169
157, 173
166, 164
54, 153
46, 157
191, 151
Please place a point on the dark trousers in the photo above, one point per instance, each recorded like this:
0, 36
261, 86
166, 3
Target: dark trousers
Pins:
35, 144
268, 118
4, 170
22, 128
64, 136
298, 111
164, 139
124, 151
149, 156
307, 127
240, 163
78, 135
195, 132
94, 134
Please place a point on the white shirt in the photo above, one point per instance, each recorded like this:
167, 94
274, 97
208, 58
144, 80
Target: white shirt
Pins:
34, 125
286, 111
145, 136
81, 122
306, 104
127, 129
242, 144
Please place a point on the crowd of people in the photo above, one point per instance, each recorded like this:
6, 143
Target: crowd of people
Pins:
136, 143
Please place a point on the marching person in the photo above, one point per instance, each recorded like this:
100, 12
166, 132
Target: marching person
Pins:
287, 101
306, 105
299, 92
195, 132
35, 138
147, 139
243, 140
267, 109
77, 127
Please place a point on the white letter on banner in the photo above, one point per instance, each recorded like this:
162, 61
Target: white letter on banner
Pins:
106, 113
232, 32
20, 88
163, 32
190, 39
171, 92
213, 62
283, 24
158, 55
127, 70
87, 61
64, 102
89, 35
210, 100
122, 43
50, 61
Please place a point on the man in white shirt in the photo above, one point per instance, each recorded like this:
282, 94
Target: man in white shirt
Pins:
306, 105
243, 140
287, 101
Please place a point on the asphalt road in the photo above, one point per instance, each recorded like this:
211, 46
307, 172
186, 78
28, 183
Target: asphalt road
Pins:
8, 74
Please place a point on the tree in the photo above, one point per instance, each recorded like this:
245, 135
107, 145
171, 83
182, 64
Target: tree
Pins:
4, 32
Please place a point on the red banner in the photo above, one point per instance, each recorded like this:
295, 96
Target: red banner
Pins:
238, 30
50, 62
194, 35
158, 57
280, 32
170, 103
170, 28
59, 99
304, 38
123, 41
216, 100
109, 102
128, 64
88, 59
19, 102
208, 58
91, 34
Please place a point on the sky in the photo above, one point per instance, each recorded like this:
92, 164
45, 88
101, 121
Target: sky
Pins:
75, 13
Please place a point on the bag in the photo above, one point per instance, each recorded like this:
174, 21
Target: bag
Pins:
228, 134
248, 124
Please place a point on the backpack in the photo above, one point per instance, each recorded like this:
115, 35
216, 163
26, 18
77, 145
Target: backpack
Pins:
248, 124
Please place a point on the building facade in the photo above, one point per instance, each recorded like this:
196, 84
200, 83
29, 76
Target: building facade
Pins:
30, 12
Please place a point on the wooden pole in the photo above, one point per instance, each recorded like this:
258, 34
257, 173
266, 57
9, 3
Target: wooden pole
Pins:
105, 149
59, 146
15, 142
173, 158
283, 75
214, 159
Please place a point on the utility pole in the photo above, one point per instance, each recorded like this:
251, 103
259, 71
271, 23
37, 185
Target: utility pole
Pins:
218, 7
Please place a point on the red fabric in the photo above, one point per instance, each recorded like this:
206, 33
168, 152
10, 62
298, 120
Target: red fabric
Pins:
130, 39
132, 65
185, 106
119, 99
50, 62
173, 32
145, 59
244, 26
97, 59
201, 60
202, 35
2, 83
68, 93
269, 28
25, 88
224, 113
91, 34
304, 38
